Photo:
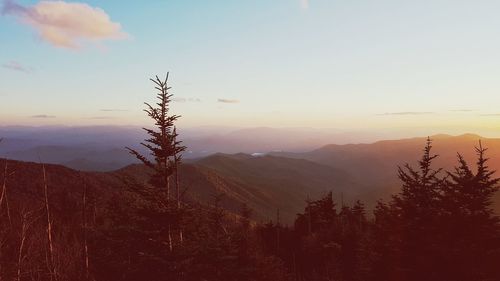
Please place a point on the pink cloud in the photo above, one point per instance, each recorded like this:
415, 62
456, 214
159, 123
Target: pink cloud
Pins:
66, 25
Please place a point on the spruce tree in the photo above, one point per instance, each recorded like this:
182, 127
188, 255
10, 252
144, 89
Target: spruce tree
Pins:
470, 233
417, 210
164, 150
162, 143
420, 188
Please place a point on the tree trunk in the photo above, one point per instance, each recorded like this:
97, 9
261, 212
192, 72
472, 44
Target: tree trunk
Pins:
170, 242
49, 228
24, 229
4, 197
177, 190
85, 244
277, 232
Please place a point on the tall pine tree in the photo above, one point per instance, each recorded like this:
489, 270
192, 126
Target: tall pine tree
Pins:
164, 150
470, 242
417, 209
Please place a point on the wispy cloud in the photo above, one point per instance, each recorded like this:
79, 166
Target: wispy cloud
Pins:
43, 116
304, 4
100, 117
462, 110
227, 101
407, 113
186, 100
66, 25
113, 110
16, 66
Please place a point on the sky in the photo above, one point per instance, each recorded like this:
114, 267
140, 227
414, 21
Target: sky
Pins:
281, 63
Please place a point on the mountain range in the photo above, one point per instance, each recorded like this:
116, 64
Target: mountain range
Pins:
271, 181
102, 148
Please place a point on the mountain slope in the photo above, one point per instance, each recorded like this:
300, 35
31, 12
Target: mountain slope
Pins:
264, 183
285, 182
375, 165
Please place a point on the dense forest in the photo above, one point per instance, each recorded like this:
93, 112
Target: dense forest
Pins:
439, 226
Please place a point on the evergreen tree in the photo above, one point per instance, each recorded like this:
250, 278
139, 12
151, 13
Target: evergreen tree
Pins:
385, 243
162, 144
405, 242
165, 149
470, 242
353, 253
417, 207
420, 188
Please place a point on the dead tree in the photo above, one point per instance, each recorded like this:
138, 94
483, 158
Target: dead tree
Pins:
27, 220
4, 196
85, 243
52, 268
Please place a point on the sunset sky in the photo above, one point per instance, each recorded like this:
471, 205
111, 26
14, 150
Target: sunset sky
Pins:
281, 63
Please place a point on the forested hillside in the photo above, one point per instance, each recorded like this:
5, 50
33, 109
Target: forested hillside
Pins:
374, 165
112, 226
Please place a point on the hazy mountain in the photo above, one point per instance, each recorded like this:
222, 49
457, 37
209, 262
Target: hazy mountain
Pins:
375, 165
366, 171
264, 183
283, 181
280, 180
101, 148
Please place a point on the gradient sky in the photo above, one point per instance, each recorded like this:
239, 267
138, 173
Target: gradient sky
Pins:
280, 63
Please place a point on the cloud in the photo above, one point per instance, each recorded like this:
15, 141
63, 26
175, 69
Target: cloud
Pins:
16, 66
66, 25
407, 113
113, 110
101, 117
227, 101
43, 116
304, 4
462, 110
186, 100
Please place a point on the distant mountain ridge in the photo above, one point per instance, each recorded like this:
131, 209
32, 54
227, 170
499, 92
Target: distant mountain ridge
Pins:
101, 148
375, 165
284, 180
265, 184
